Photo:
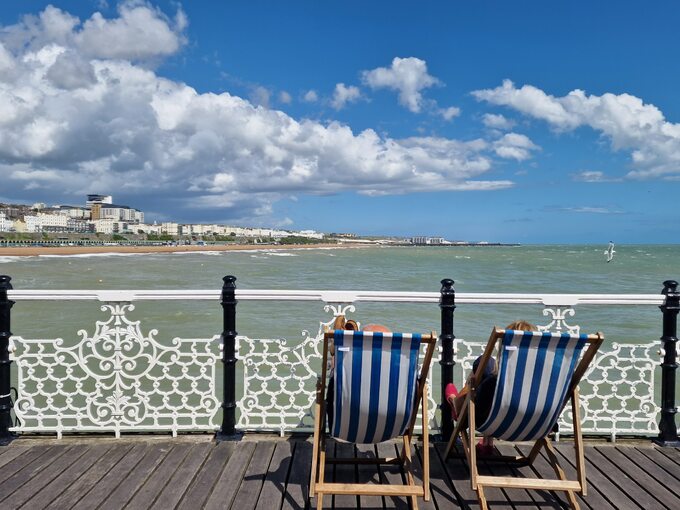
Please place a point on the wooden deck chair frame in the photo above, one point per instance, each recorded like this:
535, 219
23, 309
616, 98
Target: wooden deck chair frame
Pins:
561, 483
319, 487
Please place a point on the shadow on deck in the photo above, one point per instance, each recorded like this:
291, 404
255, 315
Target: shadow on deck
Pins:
193, 472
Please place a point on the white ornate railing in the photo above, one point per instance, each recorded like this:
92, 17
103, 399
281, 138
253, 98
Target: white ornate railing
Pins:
119, 378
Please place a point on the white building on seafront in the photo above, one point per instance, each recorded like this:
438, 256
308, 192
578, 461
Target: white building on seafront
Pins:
5, 224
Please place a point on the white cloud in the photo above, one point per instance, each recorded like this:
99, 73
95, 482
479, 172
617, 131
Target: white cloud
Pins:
449, 113
344, 94
592, 210
625, 120
310, 96
497, 121
72, 124
408, 76
514, 146
285, 97
260, 96
593, 176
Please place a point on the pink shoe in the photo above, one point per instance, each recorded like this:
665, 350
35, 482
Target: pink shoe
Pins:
485, 447
451, 392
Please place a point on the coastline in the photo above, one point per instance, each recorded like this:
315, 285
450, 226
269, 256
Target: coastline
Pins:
37, 251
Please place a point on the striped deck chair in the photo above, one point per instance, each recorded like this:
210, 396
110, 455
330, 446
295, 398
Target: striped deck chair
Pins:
538, 372
378, 389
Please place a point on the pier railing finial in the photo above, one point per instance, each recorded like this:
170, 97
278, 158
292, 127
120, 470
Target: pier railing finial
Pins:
228, 301
668, 429
447, 304
5, 363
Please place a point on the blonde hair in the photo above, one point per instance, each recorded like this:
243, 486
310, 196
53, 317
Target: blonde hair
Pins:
522, 326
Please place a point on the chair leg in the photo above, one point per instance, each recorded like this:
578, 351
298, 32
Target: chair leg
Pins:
482, 498
315, 449
426, 448
578, 442
552, 456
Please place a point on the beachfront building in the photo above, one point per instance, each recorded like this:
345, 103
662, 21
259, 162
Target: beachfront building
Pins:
120, 213
427, 241
72, 211
145, 228
105, 226
311, 234
171, 229
6, 225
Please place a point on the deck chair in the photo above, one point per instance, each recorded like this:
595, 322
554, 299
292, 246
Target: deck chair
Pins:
538, 373
377, 393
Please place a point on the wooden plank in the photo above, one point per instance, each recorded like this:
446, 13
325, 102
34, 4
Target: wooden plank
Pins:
225, 489
53, 490
112, 480
158, 479
297, 486
204, 481
11, 452
418, 475
345, 473
77, 490
391, 474
44, 476
661, 460
595, 498
654, 470
647, 483
28, 466
457, 475
274, 486
251, 486
599, 480
671, 453
19, 463
517, 497
368, 474
356, 489
183, 476
619, 488
542, 469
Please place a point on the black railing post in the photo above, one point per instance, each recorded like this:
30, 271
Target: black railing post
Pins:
668, 429
447, 304
5, 381
228, 429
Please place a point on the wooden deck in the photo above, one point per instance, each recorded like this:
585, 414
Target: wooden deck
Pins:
193, 472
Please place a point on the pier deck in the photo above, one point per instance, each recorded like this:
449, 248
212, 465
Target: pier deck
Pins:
192, 472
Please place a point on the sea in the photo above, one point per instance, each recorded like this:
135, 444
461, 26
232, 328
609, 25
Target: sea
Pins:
540, 269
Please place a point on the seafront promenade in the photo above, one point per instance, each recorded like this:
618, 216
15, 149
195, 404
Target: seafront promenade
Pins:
256, 472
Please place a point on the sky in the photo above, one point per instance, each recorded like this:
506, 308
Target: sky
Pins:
527, 121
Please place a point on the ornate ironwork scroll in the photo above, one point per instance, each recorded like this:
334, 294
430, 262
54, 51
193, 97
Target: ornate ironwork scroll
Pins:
116, 380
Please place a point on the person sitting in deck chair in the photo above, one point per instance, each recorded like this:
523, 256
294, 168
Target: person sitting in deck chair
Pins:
485, 391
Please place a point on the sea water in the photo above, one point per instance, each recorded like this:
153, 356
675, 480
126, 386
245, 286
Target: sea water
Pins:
636, 269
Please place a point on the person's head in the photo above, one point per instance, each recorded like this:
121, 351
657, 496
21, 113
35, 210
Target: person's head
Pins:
376, 328
521, 326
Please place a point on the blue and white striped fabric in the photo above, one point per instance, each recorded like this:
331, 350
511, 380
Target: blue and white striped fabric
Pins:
375, 384
534, 374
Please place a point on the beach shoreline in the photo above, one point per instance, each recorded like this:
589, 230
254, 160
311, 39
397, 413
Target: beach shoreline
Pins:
37, 251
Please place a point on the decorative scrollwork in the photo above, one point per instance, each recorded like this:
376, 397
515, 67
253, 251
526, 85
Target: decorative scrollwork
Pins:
116, 380
558, 321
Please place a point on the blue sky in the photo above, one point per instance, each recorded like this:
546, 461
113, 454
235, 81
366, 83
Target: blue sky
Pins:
524, 121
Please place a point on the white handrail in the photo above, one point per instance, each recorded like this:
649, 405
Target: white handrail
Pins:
336, 296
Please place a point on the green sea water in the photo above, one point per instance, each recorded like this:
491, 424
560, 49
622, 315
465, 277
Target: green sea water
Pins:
519, 269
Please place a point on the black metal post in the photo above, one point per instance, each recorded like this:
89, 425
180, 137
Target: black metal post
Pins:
668, 429
228, 429
447, 304
5, 382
